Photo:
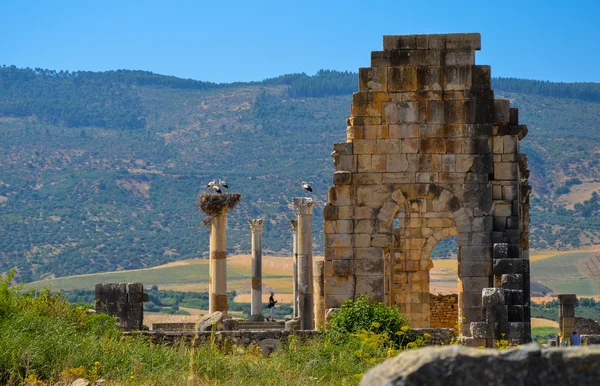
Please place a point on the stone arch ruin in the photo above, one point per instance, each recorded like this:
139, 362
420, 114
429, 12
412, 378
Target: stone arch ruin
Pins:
430, 151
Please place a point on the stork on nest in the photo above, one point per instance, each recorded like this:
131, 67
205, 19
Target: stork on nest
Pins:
214, 204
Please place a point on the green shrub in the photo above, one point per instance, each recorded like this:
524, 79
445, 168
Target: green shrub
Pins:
365, 315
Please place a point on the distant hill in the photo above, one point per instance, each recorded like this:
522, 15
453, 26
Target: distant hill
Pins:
100, 171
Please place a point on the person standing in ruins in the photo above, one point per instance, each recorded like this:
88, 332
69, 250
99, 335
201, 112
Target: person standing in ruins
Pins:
271, 306
575, 339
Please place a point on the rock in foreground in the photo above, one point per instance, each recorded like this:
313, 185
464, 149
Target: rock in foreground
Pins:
456, 365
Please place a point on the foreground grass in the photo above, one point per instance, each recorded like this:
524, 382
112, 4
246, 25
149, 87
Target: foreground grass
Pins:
44, 340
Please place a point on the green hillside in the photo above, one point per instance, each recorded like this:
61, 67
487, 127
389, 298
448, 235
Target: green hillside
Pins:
100, 171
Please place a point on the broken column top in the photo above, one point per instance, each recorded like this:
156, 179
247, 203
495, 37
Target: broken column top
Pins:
256, 224
304, 205
567, 299
217, 204
461, 41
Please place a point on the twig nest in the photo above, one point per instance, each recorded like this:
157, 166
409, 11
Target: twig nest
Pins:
216, 204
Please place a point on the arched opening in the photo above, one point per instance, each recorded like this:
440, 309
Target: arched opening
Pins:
444, 274
417, 226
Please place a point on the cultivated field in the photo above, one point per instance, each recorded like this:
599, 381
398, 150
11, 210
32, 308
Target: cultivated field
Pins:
575, 271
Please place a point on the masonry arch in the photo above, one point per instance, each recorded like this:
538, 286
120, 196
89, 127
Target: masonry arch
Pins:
417, 217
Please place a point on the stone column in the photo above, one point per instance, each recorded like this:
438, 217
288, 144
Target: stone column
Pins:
295, 260
566, 315
304, 207
319, 294
256, 226
218, 264
217, 206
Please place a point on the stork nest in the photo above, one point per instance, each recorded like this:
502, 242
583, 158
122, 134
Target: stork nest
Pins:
215, 204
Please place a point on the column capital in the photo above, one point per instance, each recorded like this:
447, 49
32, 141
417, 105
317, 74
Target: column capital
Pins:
294, 224
304, 205
256, 225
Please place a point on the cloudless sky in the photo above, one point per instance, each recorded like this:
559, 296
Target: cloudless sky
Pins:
226, 41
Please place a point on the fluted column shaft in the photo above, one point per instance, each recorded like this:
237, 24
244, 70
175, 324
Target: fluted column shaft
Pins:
256, 226
304, 207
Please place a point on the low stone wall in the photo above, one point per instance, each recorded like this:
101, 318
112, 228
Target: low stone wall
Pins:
443, 310
437, 336
241, 338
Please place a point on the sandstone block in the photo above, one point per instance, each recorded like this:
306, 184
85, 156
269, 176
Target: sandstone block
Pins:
514, 116
429, 78
456, 78
473, 284
512, 281
375, 132
368, 267
340, 195
345, 162
381, 240
338, 226
474, 268
364, 163
463, 41
372, 79
501, 111
342, 177
402, 79
511, 144
435, 111
364, 226
362, 240
368, 253
398, 178
471, 253
470, 299
345, 212
403, 131
401, 112
335, 253
372, 195
502, 209
481, 77
500, 251
338, 240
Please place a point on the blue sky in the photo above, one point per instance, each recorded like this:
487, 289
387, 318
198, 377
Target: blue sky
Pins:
225, 41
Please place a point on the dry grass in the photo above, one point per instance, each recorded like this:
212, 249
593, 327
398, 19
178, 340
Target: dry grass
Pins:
539, 322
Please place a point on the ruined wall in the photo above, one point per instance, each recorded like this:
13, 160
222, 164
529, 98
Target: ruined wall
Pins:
443, 310
125, 301
429, 154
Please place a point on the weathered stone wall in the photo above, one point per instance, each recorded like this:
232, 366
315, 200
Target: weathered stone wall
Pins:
585, 326
437, 336
240, 337
443, 310
125, 301
429, 154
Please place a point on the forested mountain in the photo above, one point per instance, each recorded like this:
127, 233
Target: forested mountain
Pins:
100, 171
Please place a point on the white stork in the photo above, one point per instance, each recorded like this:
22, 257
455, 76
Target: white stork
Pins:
306, 187
211, 184
217, 189
223, 184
